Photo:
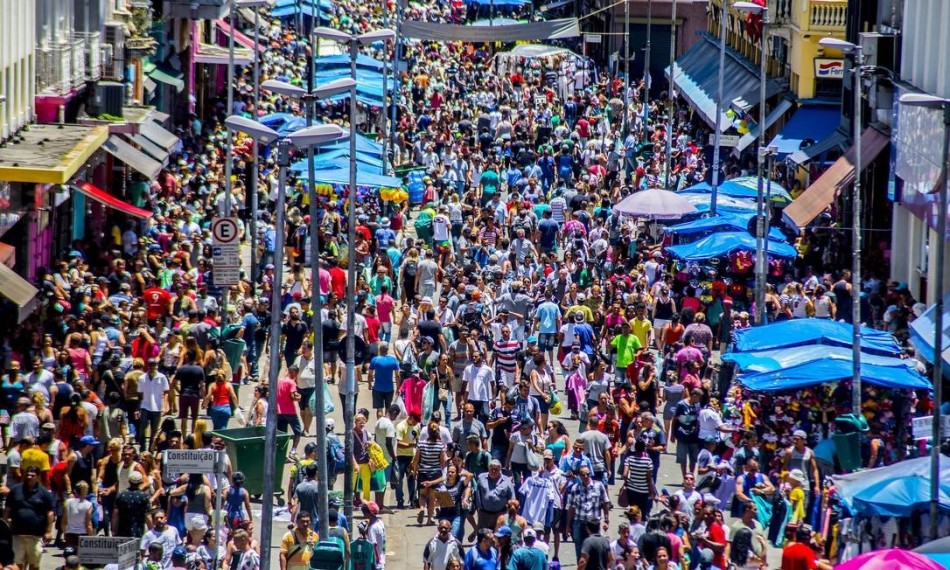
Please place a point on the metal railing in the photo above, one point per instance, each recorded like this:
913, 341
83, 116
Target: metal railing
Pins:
92, 54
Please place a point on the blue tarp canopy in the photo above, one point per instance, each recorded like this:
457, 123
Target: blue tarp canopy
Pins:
307, 10
345, 153
325, 4
720, 223
777, 359
364, 61
363, 98
342, 176
368, 83
811, 122
285, 123
898, 497
363, 145
498, 3
922, 334
820, 372
801, 332
724, 243
742, 187
334, 160
724, 204
497, 22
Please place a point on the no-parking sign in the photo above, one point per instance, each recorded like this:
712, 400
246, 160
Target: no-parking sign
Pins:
226, 251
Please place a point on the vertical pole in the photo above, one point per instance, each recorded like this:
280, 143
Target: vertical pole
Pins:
229, 158
938, 329
723, 14
348, 409
626, 68
856, 240
256, 168
384, 138
273, 373
760, 255
397, 83
672, 100
646, 67
219, 493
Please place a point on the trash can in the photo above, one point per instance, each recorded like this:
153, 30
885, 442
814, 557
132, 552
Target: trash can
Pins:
847, 440
245, 447
327, 555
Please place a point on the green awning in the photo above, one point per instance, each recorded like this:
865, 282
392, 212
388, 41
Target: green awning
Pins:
148, 66
164, 73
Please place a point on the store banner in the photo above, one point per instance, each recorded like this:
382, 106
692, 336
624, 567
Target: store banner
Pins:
522, 32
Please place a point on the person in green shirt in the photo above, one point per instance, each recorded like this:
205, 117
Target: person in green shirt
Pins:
626, 345
489, 184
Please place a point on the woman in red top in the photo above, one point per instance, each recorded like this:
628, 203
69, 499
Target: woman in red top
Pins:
219, 400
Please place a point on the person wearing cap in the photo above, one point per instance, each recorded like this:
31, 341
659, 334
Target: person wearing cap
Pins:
800, 456
796, 495
530, 557
81, 465
375, 532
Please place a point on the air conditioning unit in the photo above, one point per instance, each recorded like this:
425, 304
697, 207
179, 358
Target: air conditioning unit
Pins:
113, 63
109, 99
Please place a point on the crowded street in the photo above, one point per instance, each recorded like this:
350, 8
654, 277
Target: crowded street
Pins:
471, 285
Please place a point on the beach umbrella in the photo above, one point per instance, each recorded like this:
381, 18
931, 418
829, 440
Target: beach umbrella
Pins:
655, 204
890, 559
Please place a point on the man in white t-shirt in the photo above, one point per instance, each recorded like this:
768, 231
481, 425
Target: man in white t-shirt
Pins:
441, 225
477, 382
153, 385
385, 434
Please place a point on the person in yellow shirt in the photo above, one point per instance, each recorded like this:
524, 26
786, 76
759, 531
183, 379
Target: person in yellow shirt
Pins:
796, 495
581, 307
33, 456
640, 325
297, 545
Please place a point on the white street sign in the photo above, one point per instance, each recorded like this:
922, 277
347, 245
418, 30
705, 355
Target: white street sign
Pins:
923, 427
725, 140
592, 38
102, 550
190, 460
226, 251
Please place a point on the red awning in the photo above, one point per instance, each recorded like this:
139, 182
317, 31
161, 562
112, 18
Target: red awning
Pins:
239, 38
107, 199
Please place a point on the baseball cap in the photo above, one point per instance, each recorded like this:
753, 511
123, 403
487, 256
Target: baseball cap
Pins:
88, 440
310, 448
503, 531
548, 454
530, 533
800, 433
135, 477
371, 507
179, 552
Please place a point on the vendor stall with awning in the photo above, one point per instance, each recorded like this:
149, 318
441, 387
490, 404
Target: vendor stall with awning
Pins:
823, 191
922, 334
133, 157
810, 123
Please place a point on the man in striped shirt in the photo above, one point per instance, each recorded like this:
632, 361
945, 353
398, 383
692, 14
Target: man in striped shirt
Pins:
488, 236
504, 359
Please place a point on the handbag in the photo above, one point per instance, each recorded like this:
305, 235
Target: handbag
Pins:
532, 458
623, 500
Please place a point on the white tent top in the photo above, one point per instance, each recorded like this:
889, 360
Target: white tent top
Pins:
537, 51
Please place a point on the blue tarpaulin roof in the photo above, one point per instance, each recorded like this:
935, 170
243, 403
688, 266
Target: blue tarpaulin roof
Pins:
365, 61
823, 371
342, 176
305, 9
814, 122
922, 334
725, 204
345, 153
368, 82
801, 332
325, 4
898, 497
719, 223
777, 359
498, 3
724, 243
332, 160
742, 187
363, 144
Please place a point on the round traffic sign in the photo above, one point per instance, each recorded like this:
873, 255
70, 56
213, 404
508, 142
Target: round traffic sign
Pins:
224, 230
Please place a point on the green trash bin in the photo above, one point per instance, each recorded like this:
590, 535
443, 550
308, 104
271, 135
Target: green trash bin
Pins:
245, 448
847, 440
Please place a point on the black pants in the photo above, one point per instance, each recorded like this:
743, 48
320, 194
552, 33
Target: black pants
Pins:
147, 418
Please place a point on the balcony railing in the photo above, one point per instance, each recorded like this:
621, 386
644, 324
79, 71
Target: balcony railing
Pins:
60, 67
92, 54
827, 15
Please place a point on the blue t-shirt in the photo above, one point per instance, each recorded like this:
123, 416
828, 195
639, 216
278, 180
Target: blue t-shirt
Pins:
548, 229
548, 313
475, 559
250, 324
385, 236
384, 367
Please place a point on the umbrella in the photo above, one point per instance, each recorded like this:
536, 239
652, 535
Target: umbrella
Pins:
939, 546
890, 559
656, 204
896, 497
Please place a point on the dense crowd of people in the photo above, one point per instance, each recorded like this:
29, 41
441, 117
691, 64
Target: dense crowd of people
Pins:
533, 357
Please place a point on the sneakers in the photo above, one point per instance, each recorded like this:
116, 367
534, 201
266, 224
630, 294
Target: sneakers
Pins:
293, 456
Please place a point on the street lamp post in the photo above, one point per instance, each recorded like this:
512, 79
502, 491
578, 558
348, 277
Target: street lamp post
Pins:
761, 271
672, 99
302, 139
354, 43
923, 100
316, 324
854, 49
646, 67
723, 14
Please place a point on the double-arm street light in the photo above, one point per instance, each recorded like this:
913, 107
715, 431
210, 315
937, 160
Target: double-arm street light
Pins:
308, 99
854, 49
761, 258
353, 43
943, 105
301, 140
